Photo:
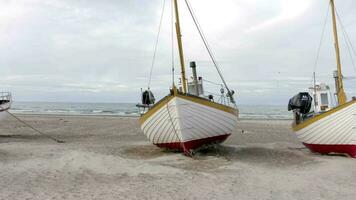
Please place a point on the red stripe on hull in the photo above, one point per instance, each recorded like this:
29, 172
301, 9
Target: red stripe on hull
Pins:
194, 144
332, 148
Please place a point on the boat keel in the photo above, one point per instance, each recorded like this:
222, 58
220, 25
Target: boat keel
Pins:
189, 146
334, 148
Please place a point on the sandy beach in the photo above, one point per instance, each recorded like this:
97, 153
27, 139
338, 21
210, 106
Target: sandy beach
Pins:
109, 158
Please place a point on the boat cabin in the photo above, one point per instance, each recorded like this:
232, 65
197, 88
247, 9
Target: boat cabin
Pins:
196, 87
317, 100
322, 98
195, 84
5, 97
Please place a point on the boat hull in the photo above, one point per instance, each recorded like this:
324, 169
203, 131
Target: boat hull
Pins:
185, 123
329, 148
194, 144
3, 109
331, 132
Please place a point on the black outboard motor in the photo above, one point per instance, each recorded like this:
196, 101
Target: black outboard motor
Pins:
148, 98
301, 102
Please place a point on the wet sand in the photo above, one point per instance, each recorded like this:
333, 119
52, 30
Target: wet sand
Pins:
109, 158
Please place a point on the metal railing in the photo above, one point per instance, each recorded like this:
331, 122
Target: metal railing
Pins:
219, 94
5, 96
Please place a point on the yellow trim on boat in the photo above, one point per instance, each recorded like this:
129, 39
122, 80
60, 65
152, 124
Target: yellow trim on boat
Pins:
321, 116
209, 103
155, 108
194, 99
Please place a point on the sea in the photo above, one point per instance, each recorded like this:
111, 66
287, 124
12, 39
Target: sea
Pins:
130, 110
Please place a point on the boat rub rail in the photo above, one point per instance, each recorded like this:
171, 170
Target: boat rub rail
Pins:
188, 97
297, 127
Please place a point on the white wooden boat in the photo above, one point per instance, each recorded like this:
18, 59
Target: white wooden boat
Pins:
187, 118
5, 103
333, 131
327, 129
186, 122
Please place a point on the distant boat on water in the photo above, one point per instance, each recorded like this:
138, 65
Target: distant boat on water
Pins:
328, 128
189, 117
5, 103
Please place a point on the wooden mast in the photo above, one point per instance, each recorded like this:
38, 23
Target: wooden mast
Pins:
340, 85
180, 47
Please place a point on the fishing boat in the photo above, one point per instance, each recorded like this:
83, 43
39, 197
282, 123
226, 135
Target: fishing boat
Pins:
188, 117
5, 103
328, 128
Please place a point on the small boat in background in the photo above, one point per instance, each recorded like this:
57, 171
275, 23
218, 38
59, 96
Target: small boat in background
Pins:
5, 102
328, 128
189, 117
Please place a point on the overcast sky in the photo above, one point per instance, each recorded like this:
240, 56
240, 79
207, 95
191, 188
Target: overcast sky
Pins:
101, 51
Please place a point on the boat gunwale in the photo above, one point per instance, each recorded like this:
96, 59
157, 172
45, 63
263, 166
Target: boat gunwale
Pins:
189, 97
311, 120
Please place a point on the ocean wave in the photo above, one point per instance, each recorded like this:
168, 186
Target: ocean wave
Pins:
246, 112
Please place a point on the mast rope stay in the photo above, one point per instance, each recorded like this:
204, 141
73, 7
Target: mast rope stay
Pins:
320, 43
35, 129
156, 45
348, 42
172, 35
207, 46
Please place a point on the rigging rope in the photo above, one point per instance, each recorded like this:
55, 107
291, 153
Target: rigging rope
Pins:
211, 82
156, 44
36, 130
181, 143
210, 52
172, 21
347, 35
347, 41
321, 41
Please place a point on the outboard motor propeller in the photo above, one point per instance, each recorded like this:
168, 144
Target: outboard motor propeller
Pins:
301, 102
148, 97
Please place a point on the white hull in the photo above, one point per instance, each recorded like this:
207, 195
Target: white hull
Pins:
335, 132
337, 128
181, 122
3, 108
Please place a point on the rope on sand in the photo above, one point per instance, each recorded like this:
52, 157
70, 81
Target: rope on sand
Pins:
36, 130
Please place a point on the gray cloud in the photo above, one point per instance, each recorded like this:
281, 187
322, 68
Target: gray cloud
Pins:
101, 50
